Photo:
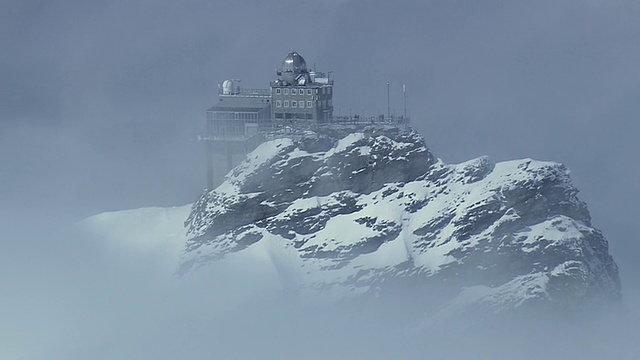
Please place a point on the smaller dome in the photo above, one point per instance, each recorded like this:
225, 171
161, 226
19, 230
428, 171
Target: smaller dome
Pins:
292, 66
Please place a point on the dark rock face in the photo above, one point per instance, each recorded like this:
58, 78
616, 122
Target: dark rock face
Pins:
353, 211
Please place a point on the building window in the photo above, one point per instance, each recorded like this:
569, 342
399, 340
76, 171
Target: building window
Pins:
329, 91
286, 92
329, 102
301, 103
278, 103
301, 92
278, 91
286, 103
294, 103
308, 91
309, 104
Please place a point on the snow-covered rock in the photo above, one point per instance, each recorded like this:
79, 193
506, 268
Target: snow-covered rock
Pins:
345, 212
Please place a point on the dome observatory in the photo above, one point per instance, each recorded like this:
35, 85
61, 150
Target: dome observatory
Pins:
300, 97
294, 69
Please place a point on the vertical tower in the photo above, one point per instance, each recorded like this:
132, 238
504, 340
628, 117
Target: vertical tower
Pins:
300, 97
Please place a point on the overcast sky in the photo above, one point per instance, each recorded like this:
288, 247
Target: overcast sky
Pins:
100, 101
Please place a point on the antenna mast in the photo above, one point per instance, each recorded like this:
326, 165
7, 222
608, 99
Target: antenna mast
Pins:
388, 101
404, 94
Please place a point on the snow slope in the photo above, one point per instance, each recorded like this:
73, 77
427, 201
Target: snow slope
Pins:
152, 232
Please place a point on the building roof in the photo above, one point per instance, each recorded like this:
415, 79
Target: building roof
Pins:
236, 109
240, 104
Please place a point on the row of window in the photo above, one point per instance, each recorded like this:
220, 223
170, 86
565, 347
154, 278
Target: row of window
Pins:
223, 115
291, 116
293, 91
300, 104
294, 103
228, 127
285, 91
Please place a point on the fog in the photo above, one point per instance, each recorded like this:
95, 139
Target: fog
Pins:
100, 104
77, 299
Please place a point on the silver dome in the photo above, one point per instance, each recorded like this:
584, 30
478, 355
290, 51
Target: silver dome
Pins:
292, 66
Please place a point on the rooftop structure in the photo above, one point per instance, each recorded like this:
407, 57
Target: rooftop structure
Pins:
300, 98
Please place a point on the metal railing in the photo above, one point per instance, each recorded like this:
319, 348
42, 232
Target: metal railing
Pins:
224, 137
248, 93
291, 127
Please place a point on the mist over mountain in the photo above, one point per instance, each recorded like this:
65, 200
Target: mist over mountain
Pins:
359, 243
99, 102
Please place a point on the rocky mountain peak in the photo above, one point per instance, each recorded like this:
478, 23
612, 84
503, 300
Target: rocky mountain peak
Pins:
347, 211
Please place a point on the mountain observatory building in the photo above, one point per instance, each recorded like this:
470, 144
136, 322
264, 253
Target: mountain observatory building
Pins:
299, 99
